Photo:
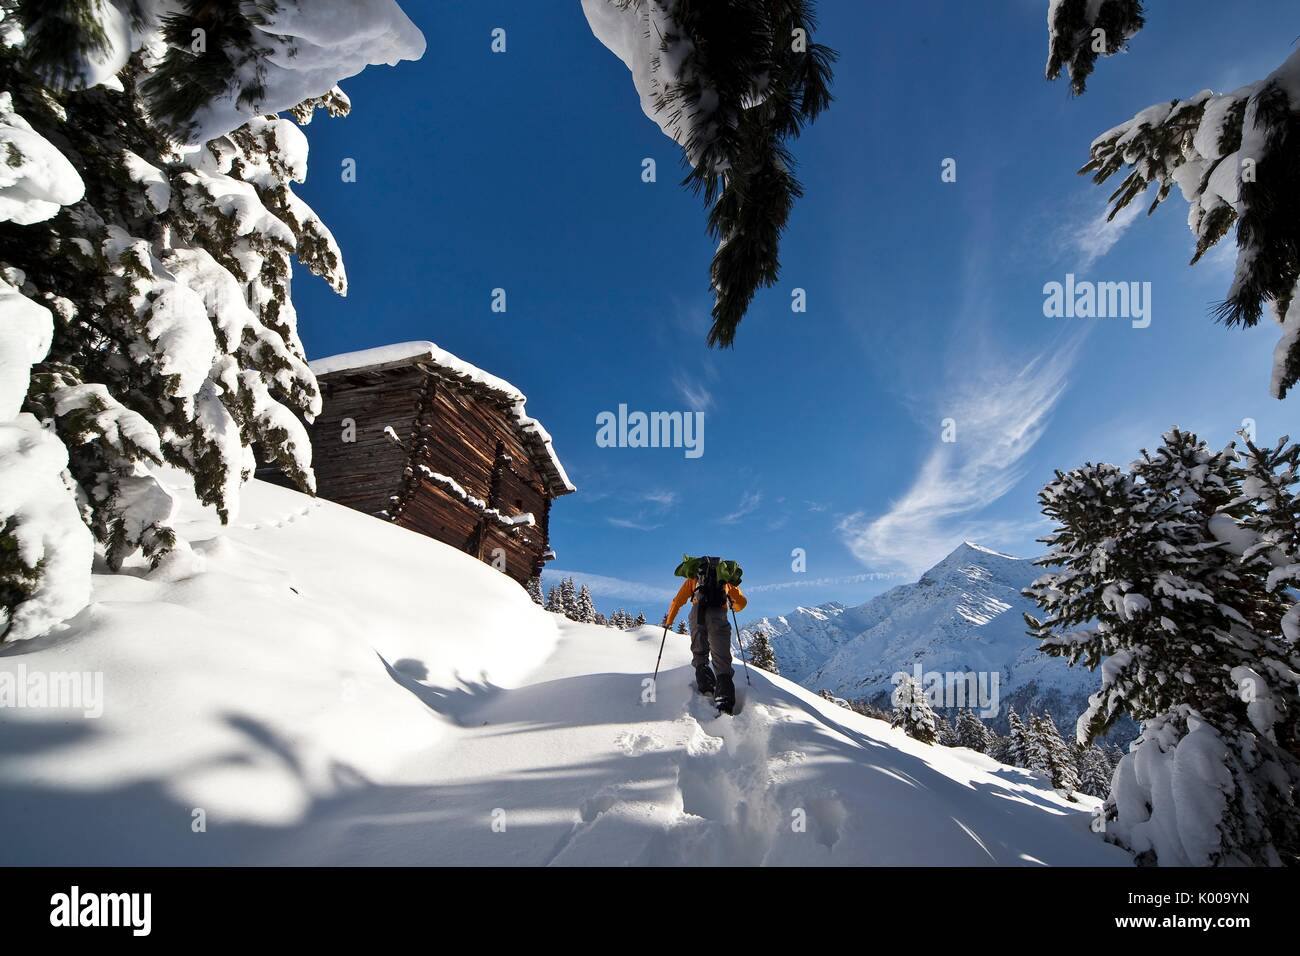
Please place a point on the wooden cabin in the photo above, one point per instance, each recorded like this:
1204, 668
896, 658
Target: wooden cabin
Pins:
413, 435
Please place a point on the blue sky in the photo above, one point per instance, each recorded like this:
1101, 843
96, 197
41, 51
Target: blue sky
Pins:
823, 429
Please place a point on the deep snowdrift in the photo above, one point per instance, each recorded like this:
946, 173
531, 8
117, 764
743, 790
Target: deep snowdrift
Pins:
315, 686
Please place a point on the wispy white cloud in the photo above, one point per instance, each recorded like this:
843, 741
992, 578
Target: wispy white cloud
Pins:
634, 524
659, 502
606, 587
863, 578
694, 394
1000, 415
748, 503
1092, 235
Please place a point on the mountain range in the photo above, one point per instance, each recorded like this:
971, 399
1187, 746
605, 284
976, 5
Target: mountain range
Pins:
964, 616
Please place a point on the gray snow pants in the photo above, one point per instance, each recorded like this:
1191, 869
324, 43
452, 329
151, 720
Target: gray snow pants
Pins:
711, 635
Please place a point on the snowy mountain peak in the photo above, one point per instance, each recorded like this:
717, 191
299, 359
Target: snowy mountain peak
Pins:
965, 614
971, 565
970, 551
829, 609
972, 546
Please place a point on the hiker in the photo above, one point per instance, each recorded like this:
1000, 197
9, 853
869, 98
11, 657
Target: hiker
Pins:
711, 586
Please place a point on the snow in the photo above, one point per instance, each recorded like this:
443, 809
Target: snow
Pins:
1171, 792
36, 180
114, 423
274, 416
312, 224
222, 295
1209, 134
120, 39
1262, 710
428, 352
313, 46
478, 504
26, 330
980, 549
157, 190
37, 508
40, 512
1287, 346
309, 47
634, 33
416, 352
239, 202
318, 686
658, 53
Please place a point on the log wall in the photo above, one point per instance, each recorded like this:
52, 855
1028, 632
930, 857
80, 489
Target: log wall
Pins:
367, 472
451, 430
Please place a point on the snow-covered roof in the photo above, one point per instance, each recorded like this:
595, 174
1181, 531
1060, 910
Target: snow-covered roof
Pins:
439, 361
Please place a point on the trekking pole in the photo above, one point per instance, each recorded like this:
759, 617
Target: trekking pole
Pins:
741, 641
662, 642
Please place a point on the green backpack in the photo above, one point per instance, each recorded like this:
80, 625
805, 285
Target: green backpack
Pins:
711, 573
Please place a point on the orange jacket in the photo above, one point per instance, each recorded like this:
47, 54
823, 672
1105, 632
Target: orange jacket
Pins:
687, 592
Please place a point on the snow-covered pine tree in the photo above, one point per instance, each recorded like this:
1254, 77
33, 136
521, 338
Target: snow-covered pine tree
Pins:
569, 599
1269, 477
554, 603
945, 733
1017, 748
534, 589
1035, 745
971, 732
147, 235
861, 706
1094, 770
732, 82
1049, 753
1235, 158
640, 620
586, 609
762, 655
912, 711
1160, 580
1000, 748
1114, 753
681, 628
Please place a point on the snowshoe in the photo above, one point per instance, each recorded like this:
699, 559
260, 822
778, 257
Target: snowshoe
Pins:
704, 682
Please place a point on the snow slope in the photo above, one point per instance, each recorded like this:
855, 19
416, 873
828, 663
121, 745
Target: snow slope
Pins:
316, 686
965, 614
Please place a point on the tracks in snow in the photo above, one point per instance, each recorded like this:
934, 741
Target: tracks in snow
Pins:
736, 794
